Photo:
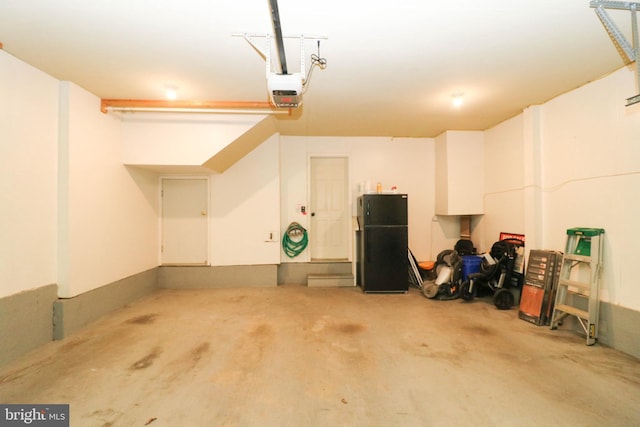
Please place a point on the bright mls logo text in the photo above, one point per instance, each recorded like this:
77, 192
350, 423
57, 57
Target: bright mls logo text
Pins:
38, 415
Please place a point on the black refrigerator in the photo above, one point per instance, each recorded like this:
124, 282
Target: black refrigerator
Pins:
382, 243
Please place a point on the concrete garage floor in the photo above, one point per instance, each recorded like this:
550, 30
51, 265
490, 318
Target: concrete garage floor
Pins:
298, 356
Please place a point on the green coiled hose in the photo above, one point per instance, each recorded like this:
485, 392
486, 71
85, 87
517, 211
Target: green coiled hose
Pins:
294, 240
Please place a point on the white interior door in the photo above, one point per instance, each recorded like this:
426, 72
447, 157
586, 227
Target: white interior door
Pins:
329, 233
185, 231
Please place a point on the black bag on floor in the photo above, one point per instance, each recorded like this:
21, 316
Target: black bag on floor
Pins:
464, 247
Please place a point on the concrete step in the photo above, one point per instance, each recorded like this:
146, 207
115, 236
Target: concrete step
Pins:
330, 280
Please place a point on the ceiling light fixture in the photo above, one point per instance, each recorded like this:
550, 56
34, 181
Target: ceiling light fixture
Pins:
458, 100
171, 92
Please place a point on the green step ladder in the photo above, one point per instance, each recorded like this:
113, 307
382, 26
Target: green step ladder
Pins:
578, 286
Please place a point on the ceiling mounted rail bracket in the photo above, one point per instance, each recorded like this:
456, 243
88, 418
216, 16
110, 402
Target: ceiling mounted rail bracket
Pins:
630, 52
285, 89
265, 53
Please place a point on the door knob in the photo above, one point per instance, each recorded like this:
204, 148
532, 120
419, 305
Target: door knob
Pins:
313, 214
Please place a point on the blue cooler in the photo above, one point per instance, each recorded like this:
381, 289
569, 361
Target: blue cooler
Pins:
470, 264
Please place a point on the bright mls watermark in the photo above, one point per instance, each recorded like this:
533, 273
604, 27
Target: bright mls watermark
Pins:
34, 415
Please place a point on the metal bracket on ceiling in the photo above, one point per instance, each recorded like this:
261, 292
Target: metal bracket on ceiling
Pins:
630, 52
249, 39
266, 54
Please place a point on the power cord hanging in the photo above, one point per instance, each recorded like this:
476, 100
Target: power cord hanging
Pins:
294, 240
316, 61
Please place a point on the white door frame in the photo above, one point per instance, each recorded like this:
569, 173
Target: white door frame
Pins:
161, 213
350, 201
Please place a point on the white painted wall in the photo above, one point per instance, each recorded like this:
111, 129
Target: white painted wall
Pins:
294, 185
587, 174
108, 224
73, 214
28, 176
180, 139
245, 209
578, 156
591, 176
404, 162
504, 183
459, 173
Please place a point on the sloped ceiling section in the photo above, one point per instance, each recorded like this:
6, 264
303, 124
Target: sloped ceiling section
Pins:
241, 146
191, 143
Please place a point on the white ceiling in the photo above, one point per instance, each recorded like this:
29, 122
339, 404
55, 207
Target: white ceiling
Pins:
392, 66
